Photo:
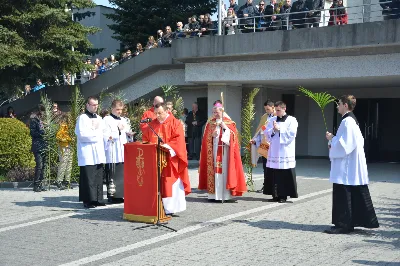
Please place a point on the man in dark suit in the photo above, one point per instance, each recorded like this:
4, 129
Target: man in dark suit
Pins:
195, 122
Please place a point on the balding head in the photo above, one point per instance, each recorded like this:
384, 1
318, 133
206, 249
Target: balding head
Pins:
157, 100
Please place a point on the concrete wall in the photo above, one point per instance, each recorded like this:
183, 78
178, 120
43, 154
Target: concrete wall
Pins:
127, 73
232, 100
102, 39
190, 96
311, 132
148, 83
300, 43
297, 72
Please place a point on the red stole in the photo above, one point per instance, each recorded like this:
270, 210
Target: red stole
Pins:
218, 166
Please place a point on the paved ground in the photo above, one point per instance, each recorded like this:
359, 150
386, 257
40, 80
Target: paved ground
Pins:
51, 228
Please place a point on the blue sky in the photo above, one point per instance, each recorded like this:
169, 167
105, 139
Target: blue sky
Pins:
103, 2
106, 3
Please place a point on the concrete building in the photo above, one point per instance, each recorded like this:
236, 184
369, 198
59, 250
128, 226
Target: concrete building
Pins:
103, 38
360, 59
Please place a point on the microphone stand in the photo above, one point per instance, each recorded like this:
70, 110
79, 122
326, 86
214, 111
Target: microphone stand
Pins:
158, 223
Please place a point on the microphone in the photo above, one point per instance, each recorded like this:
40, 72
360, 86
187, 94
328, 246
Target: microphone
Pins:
147, 120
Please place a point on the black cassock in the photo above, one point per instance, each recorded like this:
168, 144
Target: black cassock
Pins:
118, 178
91, 183
280, 183
352, 207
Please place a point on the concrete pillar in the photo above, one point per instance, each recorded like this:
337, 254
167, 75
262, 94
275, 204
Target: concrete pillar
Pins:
367, 10
232, 100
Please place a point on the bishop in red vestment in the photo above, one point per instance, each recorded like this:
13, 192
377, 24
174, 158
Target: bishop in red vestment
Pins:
221, 170
175, 178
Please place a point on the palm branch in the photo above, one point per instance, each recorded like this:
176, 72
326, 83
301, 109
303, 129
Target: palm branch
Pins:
50, 127
177, 101
135, 113
248, 113
321, 98
76, 109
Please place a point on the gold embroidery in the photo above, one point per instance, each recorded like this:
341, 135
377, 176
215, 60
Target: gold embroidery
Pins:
210, 160
210, 127
140, 166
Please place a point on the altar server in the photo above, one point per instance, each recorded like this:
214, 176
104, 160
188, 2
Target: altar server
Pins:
280, 177
91, 156
115, 134
352, 204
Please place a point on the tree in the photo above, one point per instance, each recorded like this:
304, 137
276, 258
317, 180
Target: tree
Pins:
36, 37
136, 20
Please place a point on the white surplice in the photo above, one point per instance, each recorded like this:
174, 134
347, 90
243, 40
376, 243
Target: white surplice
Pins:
282, 149
348, 163
176, 203
114, 149
90, 145
221, 193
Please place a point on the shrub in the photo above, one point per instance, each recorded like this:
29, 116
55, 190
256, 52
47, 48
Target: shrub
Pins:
19, 174
15, 145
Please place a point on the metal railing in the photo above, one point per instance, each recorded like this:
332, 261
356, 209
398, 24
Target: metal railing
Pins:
324, 17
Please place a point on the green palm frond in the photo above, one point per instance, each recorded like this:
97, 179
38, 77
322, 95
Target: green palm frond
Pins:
50, 127
77, 107
169, 90
322, 99
135, 113
171, 94
247, 117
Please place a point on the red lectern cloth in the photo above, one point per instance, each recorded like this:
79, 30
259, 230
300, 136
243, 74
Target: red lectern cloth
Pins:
140, 182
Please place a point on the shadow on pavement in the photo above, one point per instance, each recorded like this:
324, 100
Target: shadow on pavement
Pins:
62, 202
368, 262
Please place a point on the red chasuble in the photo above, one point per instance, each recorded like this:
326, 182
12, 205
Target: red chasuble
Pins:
171, 132
148, 114
235, 177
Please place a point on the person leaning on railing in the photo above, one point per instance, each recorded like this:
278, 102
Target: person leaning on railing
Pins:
298, 14
207, 25
314, 16
230, 22
284, 11
338, 15
394, 9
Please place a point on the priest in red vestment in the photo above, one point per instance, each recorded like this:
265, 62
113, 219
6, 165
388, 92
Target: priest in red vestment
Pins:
174, 177
150, 113
221, 170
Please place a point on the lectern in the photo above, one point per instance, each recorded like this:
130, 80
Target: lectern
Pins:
142, 202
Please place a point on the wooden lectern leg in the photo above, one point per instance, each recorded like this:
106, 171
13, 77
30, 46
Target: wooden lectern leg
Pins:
161, 212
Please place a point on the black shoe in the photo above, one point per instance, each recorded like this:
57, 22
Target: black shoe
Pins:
37, 189
115, 200
274, 199
60, 186
338, 230
88, 206
97, 204
282, 200
67, 185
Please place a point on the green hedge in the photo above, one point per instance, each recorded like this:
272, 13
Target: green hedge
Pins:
15, 145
